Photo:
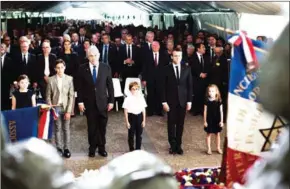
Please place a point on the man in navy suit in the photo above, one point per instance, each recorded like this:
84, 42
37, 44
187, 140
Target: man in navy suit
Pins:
95, 97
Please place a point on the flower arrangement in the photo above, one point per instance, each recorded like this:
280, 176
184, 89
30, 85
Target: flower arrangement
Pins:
200, 178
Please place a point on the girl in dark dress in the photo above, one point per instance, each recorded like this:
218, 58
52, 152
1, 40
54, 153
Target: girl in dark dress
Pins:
213, 116
23, 97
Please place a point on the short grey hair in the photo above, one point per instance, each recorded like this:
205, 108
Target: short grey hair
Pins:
150, 32
93, 50
190, 46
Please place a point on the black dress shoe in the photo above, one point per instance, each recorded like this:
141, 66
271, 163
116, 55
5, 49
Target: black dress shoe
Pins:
59, 151
66, 153
103, 153
92, 153
180, 151
172, 151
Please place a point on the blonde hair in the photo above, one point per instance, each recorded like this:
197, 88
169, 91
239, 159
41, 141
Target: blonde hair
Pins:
218, 94
133, 84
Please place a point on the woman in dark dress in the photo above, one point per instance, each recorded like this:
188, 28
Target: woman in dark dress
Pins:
23, 97
213, 116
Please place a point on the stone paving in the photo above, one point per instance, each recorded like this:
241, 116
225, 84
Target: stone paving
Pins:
154, 141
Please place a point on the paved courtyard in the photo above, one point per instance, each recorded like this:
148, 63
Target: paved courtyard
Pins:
154, 141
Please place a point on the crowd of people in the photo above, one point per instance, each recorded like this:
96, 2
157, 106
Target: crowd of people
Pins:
71, 65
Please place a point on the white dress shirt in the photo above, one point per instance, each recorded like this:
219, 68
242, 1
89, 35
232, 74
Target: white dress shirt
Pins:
157, 57
2, 60
59, 86
135, 104
179, 69
46, 67
92, 68
8, 49
199, 56
26, 57
149, 45
130, 50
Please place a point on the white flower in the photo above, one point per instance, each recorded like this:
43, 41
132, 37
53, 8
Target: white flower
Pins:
186, 178
188, 184
208, 179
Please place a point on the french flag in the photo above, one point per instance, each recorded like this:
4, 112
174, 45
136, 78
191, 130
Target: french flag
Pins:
46, 121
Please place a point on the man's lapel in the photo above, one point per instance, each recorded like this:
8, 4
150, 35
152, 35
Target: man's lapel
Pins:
55, 83
89, 73
182, 70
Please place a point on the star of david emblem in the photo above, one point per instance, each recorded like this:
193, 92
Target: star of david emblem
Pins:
271, 134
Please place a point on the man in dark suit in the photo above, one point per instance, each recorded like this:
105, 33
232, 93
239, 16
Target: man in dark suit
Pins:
218, 68
45, 67
200, 69
147, 46
129, 60
25, 62
96, 97
210, 48
75, 42
151, 78
82, 34
176, 99
219, 76
7, 77
109, 53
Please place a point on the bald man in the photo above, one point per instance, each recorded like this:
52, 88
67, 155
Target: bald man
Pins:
96, 98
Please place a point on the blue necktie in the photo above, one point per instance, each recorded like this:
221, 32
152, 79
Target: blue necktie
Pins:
105, 59
94, 74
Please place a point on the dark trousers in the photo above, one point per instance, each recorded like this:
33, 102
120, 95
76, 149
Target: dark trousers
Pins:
153, 98
42, 87
97, 123
175, 124
135, 129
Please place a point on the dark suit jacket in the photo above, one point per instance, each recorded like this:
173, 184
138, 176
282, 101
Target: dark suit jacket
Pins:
76, 47
41, 66
112, 57
172, 92
196, 66
218, 71
82, 56
149, 71
8, 74
135, 69
91, 94
28, 69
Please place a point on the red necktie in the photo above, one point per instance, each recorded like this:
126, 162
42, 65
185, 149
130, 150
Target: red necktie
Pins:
155, 59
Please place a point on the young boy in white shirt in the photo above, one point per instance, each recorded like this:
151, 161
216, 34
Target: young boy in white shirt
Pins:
135, 115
